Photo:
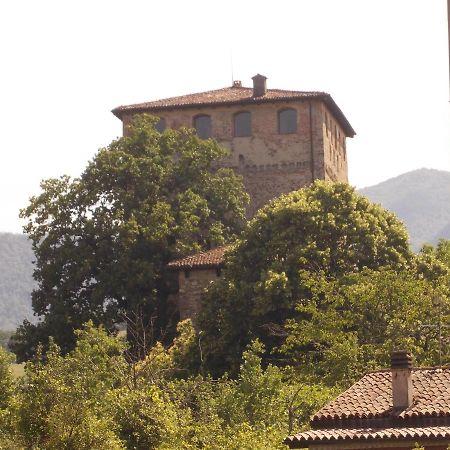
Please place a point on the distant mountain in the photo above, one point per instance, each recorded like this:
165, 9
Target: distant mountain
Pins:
421, 199
16, 282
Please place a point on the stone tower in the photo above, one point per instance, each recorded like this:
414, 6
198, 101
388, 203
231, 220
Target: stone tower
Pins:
279, 140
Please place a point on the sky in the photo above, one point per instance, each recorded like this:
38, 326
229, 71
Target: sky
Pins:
66, 64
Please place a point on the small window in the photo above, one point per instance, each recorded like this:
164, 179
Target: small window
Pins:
287, 121
243, 124
203, 126
161, 125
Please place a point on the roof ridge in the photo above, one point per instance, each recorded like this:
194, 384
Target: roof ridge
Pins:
211, 91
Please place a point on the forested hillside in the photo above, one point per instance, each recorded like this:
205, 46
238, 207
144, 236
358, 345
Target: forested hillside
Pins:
421, 199
16, 282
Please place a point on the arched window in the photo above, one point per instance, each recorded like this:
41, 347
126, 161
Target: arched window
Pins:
243, 124
161, 125
202, 124
287, 121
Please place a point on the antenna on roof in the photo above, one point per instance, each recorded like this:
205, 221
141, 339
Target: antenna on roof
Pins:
231, 63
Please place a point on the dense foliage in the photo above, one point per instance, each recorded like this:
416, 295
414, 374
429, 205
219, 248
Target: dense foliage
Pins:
102, 241
352, 324
320, 287
326, 231
93, 398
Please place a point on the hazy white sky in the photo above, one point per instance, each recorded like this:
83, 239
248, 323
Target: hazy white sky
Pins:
66, 64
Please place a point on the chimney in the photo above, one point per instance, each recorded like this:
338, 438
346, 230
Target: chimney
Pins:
259, 85
402, 389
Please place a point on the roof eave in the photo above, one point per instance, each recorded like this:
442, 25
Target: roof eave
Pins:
135, 109
175, 268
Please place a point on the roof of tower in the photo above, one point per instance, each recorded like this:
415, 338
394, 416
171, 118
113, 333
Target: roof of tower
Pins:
236, 95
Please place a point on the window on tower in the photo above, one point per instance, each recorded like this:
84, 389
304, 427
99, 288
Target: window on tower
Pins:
202, 124
161, 125
287, 121
243, 124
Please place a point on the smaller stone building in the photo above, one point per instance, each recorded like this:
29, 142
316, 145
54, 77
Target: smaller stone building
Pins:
387, 409
195, 273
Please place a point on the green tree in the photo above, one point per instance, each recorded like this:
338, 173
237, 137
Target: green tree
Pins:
7, 400
326, 228
64, 400
102, 241
92, 397
352, 324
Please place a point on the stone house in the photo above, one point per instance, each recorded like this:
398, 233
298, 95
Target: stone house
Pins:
194, 274
279, 141
389, 409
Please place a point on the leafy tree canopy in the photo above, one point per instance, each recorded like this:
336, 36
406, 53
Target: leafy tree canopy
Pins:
353, 323
92, 397
102, 241
325, 229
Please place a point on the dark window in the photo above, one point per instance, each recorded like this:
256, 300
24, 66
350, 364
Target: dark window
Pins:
203, 126
243, 124
287, 121
161, 125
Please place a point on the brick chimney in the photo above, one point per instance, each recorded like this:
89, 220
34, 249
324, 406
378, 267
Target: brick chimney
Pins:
402, 388
259, 85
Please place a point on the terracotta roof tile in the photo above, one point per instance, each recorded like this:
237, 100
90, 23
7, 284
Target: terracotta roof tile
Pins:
210, 259
235, 95
372, 397
366, 434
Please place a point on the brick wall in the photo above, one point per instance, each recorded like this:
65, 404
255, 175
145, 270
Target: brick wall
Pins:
272, 163
192, 284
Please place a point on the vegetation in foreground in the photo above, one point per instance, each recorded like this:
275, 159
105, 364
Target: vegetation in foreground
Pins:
93, 398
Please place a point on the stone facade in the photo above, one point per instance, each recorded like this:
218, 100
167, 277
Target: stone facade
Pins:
271, 163
191, 285
195, 273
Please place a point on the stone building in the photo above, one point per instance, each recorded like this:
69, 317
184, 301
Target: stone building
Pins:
194, 274
389, 409
279, 141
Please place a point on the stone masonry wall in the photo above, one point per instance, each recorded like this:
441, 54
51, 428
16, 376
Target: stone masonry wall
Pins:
272, 163
192, 284
335, 151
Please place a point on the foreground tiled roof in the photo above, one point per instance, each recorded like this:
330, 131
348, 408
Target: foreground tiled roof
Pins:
364, 412
205, 260
235, 95
371, 397
366, 434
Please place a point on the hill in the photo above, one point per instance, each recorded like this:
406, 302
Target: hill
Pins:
421, 199
16, 282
